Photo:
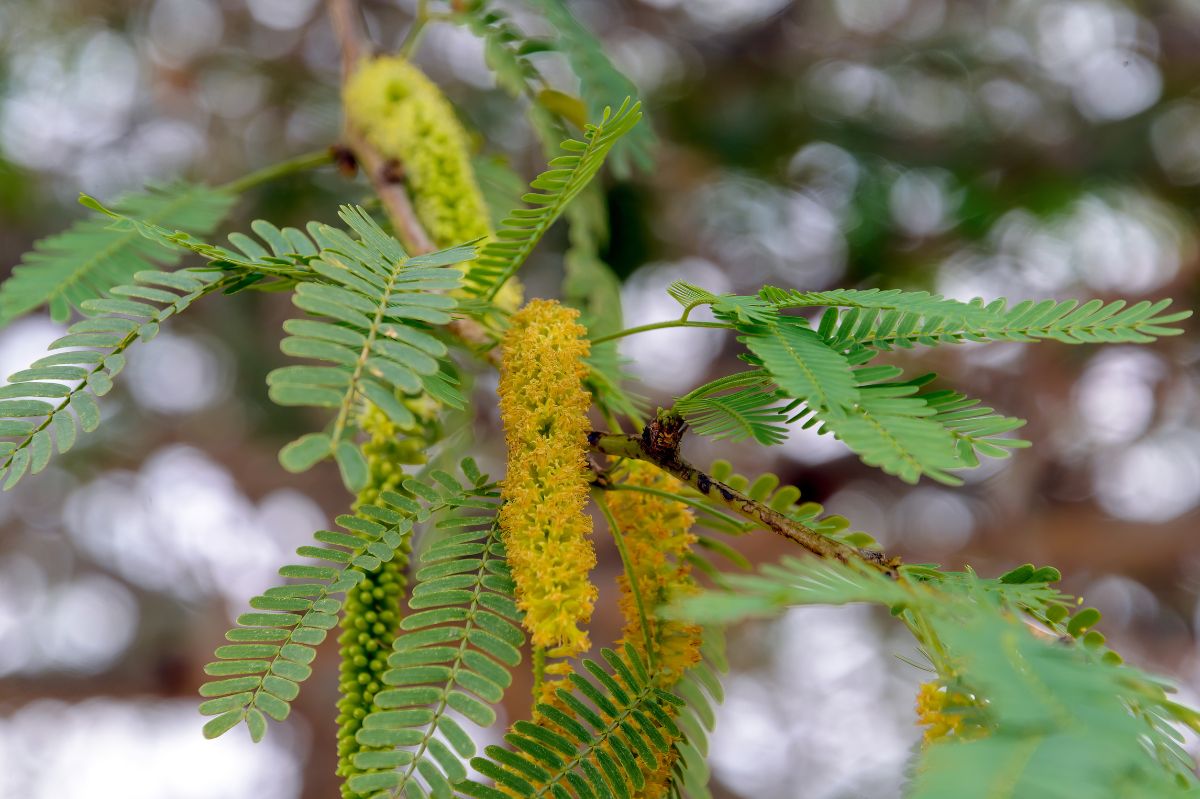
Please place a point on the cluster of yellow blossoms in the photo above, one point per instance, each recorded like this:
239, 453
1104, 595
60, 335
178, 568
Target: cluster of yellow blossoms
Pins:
657, 533
404, 115
545, 527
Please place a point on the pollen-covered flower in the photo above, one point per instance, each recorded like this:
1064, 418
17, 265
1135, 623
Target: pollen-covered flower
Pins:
657, 533
546, 529
404, 115
932, 702
371, 612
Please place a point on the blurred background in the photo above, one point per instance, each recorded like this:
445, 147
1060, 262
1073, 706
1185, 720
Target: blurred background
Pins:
1019, 148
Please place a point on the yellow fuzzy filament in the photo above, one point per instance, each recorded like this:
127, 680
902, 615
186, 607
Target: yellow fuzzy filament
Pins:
545, 527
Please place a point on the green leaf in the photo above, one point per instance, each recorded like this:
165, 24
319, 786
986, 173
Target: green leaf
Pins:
33, 426
427, 671
372, 316
304, 452
600, 83
729, 307
553, 190
737, 407
275, 644
222, 724
352, 465
803, 366
633, 715
95, 255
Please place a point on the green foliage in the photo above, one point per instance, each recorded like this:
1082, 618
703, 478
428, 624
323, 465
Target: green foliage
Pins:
1041, 707
767, 489
737, 407
285, 258
373, 325
553, 190
1052, 709
899, 322
453, 655
86, 261
593, 752
261, 670
700, 688
803, 366
375, 308
506, 49
821, 374
731, 308
600, 83
45, 406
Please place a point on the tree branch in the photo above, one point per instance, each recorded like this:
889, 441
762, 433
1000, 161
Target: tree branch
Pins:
659, 444
386, 174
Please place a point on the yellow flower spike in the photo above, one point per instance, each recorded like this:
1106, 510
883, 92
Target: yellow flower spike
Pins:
404, 115
545, 527
657, 533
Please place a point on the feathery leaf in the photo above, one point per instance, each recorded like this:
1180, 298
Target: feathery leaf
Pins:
612, 719
261, 670
454, 655
90, 356
94, 255
600, 83
737, 407
803, 365
553, 191
372, 325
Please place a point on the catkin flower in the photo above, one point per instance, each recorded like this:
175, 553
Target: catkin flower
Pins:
545, 527
932, 701
657, 533
404, 115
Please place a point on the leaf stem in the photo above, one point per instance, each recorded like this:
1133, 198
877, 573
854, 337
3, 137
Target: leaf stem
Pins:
539, 672
630, 576
301, 163
659, 326
413, 37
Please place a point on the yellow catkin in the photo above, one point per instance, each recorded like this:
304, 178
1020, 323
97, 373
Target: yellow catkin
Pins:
545, 527
657, 533
932, 701
404, 115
